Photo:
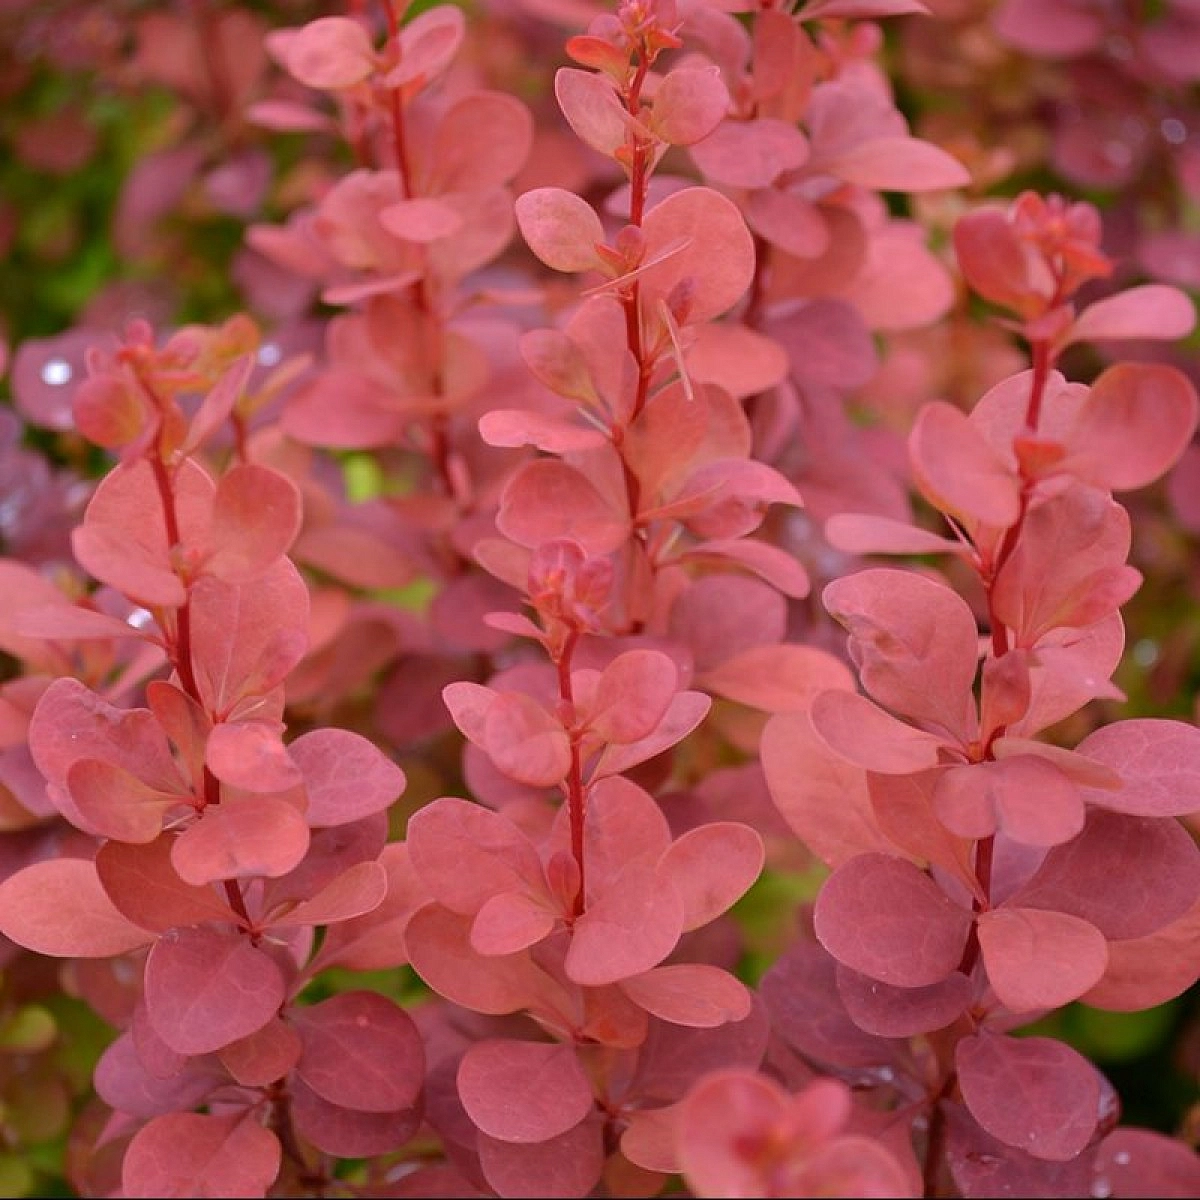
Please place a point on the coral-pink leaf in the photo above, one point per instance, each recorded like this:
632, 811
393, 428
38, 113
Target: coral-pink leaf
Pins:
689, 104
562, 229
1135, 424
58, 907
711, 867
1040, 959
465, 854
821, 796
346, 776
525, 741
632, 696
693, 994
548, 499
330, 53
184, 1154
592, 109
863, 734
958, 471
632, 927
702, 218
242, 838
428, 44
897, 164
781, 678
1153, 310
523, 1091
750, 154
256, 516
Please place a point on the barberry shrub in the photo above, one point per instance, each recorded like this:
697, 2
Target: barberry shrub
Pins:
605, 684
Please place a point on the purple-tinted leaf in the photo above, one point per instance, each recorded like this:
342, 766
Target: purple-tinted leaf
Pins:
562, 1168
884, 918
348, 1132
711, 867
1139, 1162
984, 1167
59, 907
692, 994
1128, 876
632, 927
123, 1082
1158, 760
197, 1154
1033, 1093
523, 1091
346, 777
1040, 959
902, 1012
206, 988
360, 1051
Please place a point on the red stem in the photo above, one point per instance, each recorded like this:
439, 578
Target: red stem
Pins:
576, 796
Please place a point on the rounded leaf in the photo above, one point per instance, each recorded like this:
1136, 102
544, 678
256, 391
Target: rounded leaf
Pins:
523, 1091
886, 919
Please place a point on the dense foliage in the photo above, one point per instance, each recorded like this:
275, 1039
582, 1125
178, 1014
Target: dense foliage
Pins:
599, 599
